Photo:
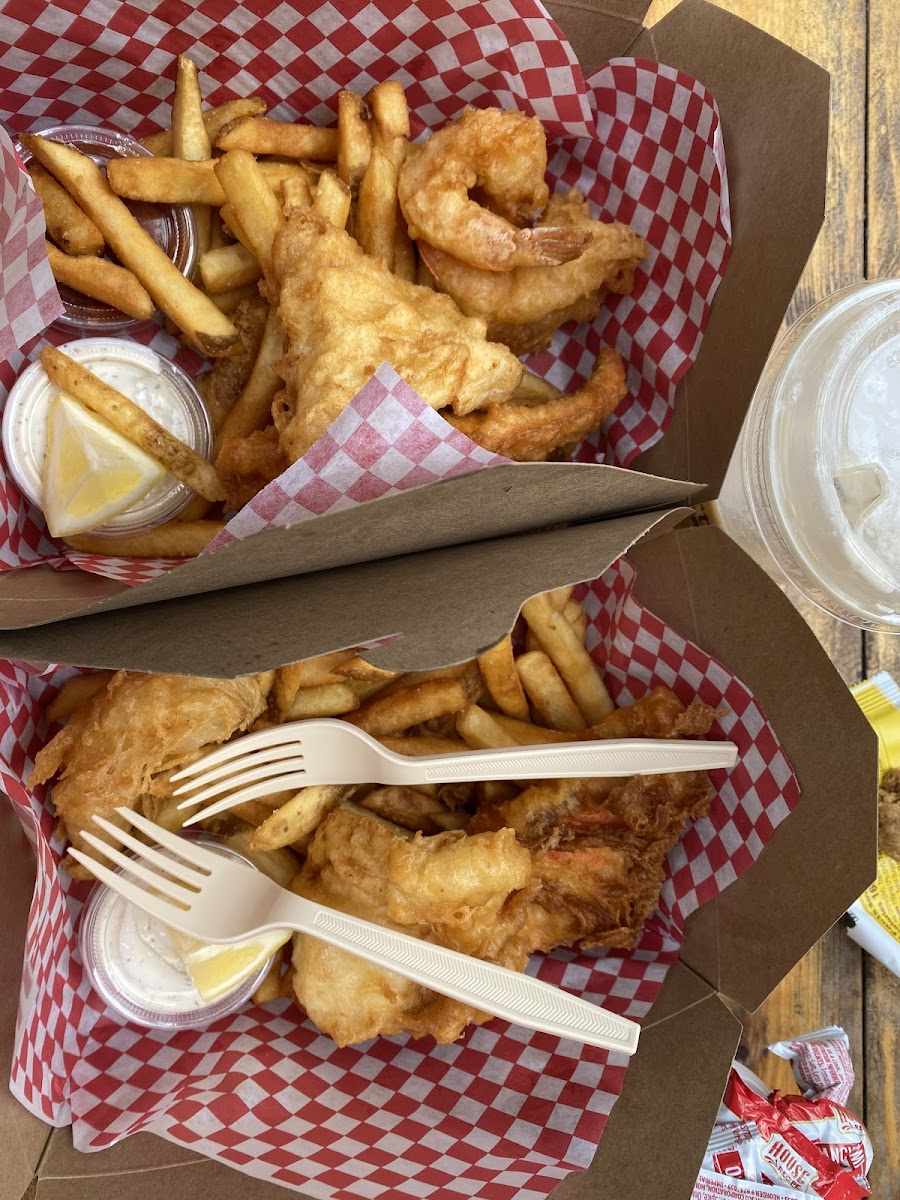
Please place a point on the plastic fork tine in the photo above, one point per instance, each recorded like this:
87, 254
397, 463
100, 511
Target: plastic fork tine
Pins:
260, 758
205, 859
171, 866
232, 782
266, 788
239, 747
164, 909
159, 883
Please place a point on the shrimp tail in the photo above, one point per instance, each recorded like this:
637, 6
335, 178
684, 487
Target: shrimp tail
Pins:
548, 246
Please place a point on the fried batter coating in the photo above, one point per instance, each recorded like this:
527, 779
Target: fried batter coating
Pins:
131, 731
345, 314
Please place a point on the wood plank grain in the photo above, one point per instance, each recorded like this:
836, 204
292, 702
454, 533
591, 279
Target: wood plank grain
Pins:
883, 217
882, 1071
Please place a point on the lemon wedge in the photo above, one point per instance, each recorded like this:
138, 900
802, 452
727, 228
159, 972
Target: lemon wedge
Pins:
91, 473
218, 970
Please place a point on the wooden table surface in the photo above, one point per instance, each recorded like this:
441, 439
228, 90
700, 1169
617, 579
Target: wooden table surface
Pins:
857, 41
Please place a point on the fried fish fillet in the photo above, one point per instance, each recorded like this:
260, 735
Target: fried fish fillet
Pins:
131, 731
459, 891
345, 314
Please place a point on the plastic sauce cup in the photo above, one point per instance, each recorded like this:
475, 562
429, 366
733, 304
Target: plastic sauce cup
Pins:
813, 489
171, 226
155, 384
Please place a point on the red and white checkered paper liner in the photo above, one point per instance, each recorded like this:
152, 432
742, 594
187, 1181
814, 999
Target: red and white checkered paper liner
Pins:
503, 1114
642, 140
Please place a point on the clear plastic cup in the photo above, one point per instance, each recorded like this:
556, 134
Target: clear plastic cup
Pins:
155, 384
813, 490
171, 226
132, 967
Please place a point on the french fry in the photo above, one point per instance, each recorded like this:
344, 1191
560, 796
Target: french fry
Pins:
217, 234
577, 618
270, 987
195, 314
390, 119
295, 192
177, 181
133, 423
189, 137
71, 229
384, 715
354, 139
254, 812
287, 683
75, 692
462, 671
164, 811
527, 734
549, 698
261, 135
326, 700
196, 510
232, 223
358, 668
323, 668
332, 199
253, 408
480, 731
174, 539
559, 598
229, 376
102, 280
231, 300
254, 204
567, 653
363, 690
376, 213
534, 390
297, 820
227, 268
214, 120
416, 747
280, 865
498, 670
405, 264
406, 806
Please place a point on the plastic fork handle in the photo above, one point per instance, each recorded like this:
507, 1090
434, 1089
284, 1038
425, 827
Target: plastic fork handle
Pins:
615, 757
520, 999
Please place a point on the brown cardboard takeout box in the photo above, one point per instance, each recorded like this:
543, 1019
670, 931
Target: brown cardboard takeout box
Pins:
464, 581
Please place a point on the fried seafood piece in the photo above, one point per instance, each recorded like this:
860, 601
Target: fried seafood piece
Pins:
502, 156
526, 305
248, 464
345, 314
598, 846
139, 726
531, 432
461, 892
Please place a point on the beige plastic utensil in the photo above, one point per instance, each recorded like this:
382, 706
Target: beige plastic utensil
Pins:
303, 753
221, 900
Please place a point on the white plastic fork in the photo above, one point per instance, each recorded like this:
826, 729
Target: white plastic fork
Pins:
302, 753
221, 900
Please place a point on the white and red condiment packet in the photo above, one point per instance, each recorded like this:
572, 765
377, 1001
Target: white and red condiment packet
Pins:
766, 1146
642, 140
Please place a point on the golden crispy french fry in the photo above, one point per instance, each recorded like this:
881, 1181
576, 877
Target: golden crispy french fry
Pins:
527, 734
280, 865
295, 192
480, 731
363, 690
217, 235
559, 598
177, 181
567, 653
390, 119
404, 252
164, 811
214, 120
385, 715
262, 135
231, 300
534, 390
75, 692
232, 223
577, 618
175, 539
255, 205
549, 697
71, 229
459, 671
287, 683
416, 747
270, 988
227, 268
298, 818
332, 199
194, 313
451, 820
358, 668
254, 812
405, 806
253, 408
190, 138
229, 376
324, 700
376, 212
196, 510
323, 668
498, 670
354, 139
102, 280
133, 423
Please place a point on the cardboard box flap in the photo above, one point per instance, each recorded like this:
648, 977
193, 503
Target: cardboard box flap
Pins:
774, 108
597, 36
470, 508
454, 602
747, 939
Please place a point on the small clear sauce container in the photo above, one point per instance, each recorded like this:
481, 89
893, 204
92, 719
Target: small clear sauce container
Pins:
158, 386
132, 964
813, 489
171, 226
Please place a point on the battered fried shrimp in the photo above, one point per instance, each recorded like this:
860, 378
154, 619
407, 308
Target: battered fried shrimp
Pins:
526, 305
530, 433
502, 154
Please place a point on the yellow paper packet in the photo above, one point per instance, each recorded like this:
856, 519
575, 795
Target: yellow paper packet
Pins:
875, 917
